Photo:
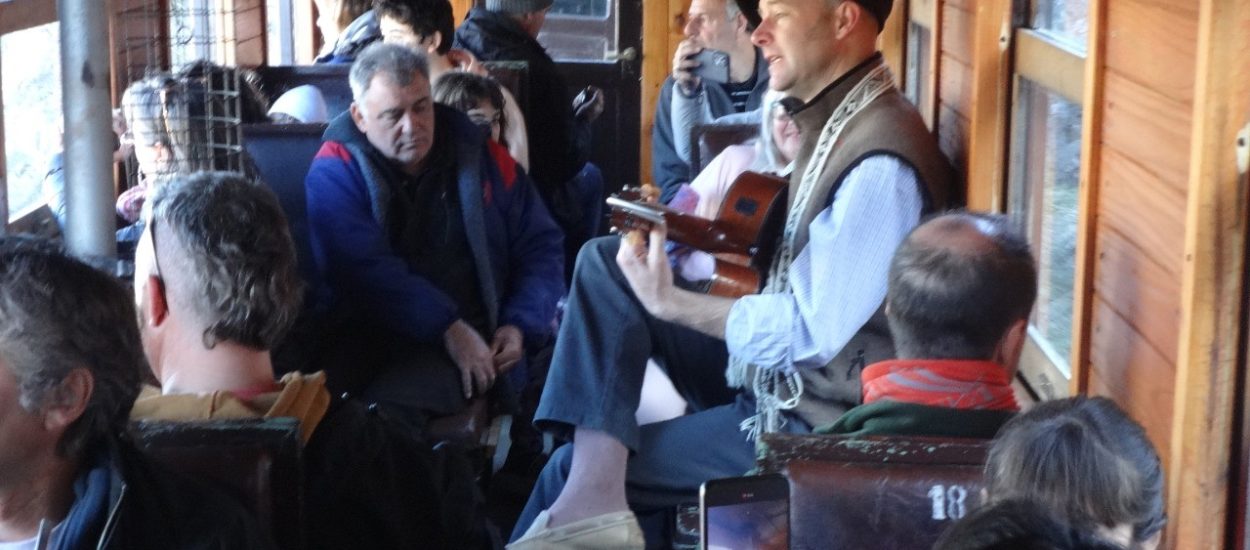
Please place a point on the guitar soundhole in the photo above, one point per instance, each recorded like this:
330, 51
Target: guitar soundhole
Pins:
746, 207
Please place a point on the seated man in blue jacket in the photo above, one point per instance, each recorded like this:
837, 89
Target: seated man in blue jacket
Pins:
440, 261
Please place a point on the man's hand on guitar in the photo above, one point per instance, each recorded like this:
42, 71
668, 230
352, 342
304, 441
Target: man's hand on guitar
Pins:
472, 356
647, 269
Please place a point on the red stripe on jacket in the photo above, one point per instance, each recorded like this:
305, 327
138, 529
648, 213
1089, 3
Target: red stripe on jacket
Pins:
334, 149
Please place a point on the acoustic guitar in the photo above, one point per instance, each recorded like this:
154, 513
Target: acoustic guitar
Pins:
742, 237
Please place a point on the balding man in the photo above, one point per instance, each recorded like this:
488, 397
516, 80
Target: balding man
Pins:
961, 289
786, 359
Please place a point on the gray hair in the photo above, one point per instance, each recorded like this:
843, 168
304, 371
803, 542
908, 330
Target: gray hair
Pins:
58, 314
1084, 458
949, 301
235, 265
398, 63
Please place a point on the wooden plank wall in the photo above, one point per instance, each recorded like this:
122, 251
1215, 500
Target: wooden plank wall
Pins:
956, 21
662, 24
1139, 224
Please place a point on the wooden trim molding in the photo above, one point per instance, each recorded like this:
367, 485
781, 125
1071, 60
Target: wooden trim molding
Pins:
893, 43
991, 109
923, 12
1211, 283
1049, 63
16, 15
1087, 209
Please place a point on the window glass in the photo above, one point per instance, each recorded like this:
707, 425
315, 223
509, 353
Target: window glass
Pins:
580, 30
193, 29
1044, 195
1067, 20
916, 77
32, 111
279, 41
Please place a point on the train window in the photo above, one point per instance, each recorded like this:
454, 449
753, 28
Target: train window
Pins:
280, 40
580, 30
916, 77
1043, 183
32, 112
1043, 193
1068, 20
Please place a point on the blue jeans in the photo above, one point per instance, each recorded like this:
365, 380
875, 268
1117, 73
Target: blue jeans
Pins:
596, 381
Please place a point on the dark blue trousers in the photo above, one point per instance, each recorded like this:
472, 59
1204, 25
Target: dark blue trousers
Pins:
596, 382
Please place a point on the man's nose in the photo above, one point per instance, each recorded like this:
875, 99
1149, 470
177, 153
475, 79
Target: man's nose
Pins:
691, 28
762, 34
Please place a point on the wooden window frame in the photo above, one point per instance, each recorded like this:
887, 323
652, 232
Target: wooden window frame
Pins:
924, 14
1053, 64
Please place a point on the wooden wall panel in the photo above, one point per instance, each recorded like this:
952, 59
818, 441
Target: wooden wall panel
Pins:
1149, 128
1128, 369
662, 23
1144, 293
1152, 45
957, 35
1143, 209
956, 85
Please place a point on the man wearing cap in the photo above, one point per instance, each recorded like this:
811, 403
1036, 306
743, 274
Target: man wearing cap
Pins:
785, 359
713, 25
559, 130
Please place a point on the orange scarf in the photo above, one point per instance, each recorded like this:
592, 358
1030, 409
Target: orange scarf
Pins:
940, 383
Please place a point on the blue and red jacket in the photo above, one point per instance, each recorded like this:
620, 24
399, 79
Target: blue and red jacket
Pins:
515, 245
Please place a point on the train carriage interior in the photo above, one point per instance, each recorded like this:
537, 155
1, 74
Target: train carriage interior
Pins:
528, 273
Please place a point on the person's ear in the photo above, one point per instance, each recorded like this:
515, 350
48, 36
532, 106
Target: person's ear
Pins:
68, 400
156, 306
846, 17
1011, 344
431, 42
358, 116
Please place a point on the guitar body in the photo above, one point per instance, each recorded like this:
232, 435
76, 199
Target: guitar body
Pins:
743, 236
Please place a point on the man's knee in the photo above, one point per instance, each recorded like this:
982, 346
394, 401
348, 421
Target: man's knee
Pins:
597, 257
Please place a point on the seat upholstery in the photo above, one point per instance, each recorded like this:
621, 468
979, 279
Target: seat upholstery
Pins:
257, 461
876, 492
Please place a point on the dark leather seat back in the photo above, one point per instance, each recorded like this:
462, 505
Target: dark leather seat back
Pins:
255, 460
878, 492
331, 79
282, 154
708, 140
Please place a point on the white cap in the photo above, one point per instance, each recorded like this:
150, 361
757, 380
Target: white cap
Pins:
304, 103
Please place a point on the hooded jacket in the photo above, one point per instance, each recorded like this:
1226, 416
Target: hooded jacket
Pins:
361, 32
514, 244
559, 144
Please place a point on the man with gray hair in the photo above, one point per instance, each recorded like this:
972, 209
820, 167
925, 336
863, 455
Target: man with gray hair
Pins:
213, 299
70, 366
685, 99
440, 262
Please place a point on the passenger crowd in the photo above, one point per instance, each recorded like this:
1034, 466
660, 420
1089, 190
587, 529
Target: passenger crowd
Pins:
453, 233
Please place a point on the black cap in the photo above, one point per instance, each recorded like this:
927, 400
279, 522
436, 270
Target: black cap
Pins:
879, 9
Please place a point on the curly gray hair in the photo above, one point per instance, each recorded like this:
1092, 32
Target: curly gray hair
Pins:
234, 263
58, 314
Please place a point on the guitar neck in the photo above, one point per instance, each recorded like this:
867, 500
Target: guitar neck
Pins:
693, 231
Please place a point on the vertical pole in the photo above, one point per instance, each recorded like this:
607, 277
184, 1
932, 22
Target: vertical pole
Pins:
88, 127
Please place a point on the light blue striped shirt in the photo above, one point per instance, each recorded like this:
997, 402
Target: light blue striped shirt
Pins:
839, 279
